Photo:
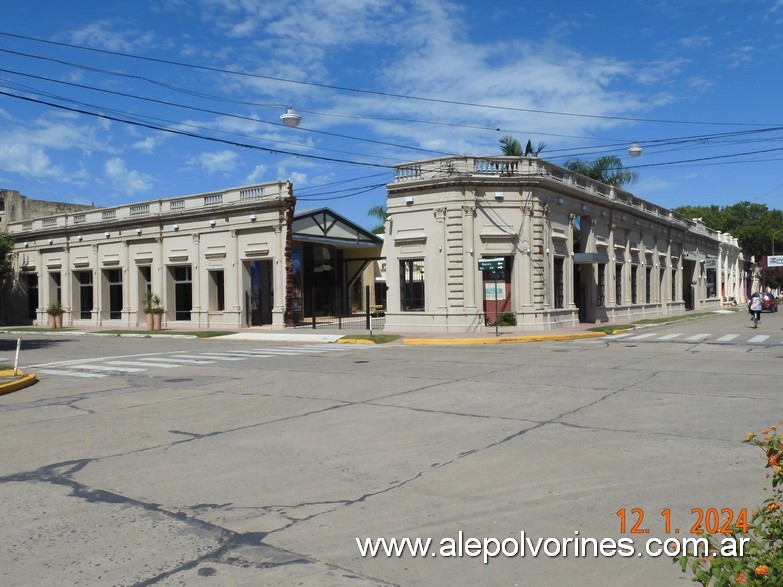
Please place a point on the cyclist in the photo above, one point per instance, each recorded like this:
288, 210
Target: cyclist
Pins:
754, 306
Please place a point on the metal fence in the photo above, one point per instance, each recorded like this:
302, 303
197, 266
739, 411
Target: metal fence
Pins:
372, 319
352, 322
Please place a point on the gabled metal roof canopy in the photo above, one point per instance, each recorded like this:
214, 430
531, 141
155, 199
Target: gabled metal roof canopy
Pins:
323, 225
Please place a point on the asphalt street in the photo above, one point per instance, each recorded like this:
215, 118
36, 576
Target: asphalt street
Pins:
264, 470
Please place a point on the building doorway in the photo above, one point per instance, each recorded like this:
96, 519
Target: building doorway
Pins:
259, 294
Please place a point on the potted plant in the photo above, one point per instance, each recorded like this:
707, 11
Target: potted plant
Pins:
55, 311
148, 305
156, 310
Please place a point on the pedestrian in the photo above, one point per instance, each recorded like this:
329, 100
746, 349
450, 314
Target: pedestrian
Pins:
754, 307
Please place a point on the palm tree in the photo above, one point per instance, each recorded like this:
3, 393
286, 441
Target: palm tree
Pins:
510, 147
380, 214
607, 169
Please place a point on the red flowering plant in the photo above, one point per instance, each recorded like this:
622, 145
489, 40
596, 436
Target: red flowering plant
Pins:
760, 562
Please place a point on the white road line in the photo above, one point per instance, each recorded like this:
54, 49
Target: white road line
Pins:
143, 364
670, 336
758, 338
89, 367
727, 337
174, 359
220, 357
643, 336
252, 354
188, 359
624, 335
67, 373
697, 337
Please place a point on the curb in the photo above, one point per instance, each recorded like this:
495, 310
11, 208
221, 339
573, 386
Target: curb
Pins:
355, 341
24, 381
514, 339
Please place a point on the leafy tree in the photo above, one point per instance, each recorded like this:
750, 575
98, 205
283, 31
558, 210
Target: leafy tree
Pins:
511, 147
380, 214
753, 224
6, 269
607, 169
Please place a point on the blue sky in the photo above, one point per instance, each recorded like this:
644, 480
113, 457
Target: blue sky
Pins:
382, 82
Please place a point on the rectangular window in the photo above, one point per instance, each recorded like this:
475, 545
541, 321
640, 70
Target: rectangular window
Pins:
712, 283
114, 280
618, 284
84, 279
662, 284
217, 293
674, 284
55, 287
145, 280
412, 285
634, 283
31, 280
648, 285
183, 291
558, 283
601, 300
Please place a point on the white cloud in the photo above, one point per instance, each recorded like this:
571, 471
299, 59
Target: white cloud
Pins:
297, 178
112, 35
125, 180
28, 161
146, 146
215, 162
257, 174
696, 42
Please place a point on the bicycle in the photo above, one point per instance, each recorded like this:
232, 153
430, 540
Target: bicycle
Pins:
754, 317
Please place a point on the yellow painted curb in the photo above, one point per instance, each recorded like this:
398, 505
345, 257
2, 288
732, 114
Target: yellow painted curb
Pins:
16, 385
512, 339
355, 341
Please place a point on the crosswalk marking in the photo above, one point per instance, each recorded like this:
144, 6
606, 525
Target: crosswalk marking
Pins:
68, 372
90, 367
702, 337
143, 364
219, 356
188, 361
106, 366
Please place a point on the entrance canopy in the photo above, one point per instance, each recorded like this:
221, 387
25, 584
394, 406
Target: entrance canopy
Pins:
326, 226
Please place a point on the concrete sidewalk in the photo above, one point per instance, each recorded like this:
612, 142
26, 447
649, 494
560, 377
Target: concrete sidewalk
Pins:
328, 335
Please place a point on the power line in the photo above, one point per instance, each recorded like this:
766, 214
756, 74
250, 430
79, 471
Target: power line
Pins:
370, 92
190, 134
216, 112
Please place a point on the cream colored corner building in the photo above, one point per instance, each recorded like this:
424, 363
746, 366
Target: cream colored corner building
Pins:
216, 260
573, 250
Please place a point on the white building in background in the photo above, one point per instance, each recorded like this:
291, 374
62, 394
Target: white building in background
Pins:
573, 249
230, 259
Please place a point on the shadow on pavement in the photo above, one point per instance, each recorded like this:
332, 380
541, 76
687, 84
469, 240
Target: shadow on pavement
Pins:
9, 344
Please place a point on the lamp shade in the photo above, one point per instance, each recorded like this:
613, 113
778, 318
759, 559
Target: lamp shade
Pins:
291, 118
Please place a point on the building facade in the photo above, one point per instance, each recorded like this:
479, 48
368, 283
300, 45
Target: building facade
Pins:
216, 260
572, 250
236, 258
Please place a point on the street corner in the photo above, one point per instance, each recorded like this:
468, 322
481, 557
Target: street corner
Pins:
10, 383
503, 339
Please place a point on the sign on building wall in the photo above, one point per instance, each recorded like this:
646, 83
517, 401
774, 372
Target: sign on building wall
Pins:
494, 293
775, 261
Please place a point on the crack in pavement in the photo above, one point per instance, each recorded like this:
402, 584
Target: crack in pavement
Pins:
230, 543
